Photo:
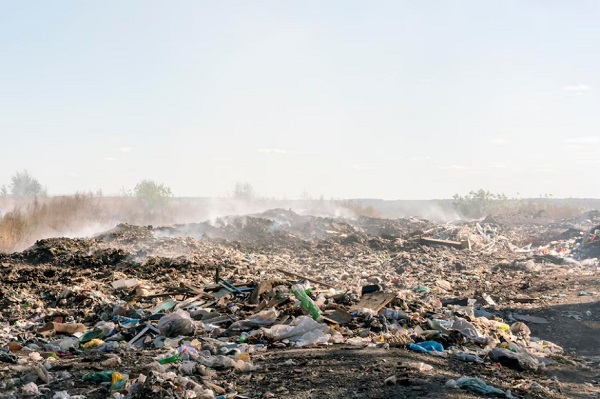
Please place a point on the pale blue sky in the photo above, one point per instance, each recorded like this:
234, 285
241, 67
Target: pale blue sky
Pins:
393, 100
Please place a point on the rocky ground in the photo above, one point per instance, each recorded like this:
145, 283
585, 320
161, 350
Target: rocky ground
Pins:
533, 285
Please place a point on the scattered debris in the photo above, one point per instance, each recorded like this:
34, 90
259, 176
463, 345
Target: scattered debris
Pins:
206, 310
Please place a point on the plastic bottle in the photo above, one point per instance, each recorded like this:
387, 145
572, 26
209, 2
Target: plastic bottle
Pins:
307, 303
170, 359
440, 325
187, 352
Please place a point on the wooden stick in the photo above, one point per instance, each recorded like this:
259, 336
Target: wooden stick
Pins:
304, 278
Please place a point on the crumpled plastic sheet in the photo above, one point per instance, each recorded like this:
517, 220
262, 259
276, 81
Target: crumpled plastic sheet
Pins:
304, 331
468, 330
519, 360
426, 347
176, 323
479, 386
264, 318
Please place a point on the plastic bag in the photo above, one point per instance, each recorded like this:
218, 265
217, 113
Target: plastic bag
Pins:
102, 376
294, 331
427, 347
66, 343
65, 395
188, 352
468, 330
468, 357
106, 327
519, 360
313, 338
479, 386
260, 319
30, 389
176, 323
118, 381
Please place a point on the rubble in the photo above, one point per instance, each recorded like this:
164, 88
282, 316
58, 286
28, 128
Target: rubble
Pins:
207, 310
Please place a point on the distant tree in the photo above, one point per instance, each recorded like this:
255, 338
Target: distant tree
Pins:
153, 194
3, 191
22, 184
243, 191
479, 203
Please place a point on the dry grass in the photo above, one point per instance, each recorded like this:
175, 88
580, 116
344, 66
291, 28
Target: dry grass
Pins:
14, 229
78, 215
356, 209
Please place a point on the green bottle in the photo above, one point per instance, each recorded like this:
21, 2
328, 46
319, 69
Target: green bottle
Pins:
170, 359
307, 303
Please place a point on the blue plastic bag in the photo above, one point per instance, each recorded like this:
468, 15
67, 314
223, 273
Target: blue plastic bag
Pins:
426, 347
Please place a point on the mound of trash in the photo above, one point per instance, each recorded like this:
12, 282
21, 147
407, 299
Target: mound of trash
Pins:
220, 309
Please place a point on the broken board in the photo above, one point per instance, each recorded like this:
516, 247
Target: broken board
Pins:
374, 300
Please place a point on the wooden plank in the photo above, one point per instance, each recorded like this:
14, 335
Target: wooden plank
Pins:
447, 243
374, 300
187, 301
193, 289
338, 316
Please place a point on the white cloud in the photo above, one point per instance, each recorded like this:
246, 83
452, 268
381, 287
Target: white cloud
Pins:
499, 166
583, 140
499, 141
453, 167
110, 159
271, 151
578, 88
125, 149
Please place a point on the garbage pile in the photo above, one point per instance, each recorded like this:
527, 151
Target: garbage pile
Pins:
194, 311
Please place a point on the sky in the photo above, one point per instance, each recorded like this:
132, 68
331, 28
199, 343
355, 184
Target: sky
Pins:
345, 99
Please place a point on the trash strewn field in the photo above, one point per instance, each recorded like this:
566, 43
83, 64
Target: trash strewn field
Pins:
279, 305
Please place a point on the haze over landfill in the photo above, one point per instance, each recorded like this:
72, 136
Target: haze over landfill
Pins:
394, 100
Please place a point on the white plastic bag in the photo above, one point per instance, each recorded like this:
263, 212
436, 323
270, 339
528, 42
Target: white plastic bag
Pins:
313, 338
260, 319
304, 331
468, 330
